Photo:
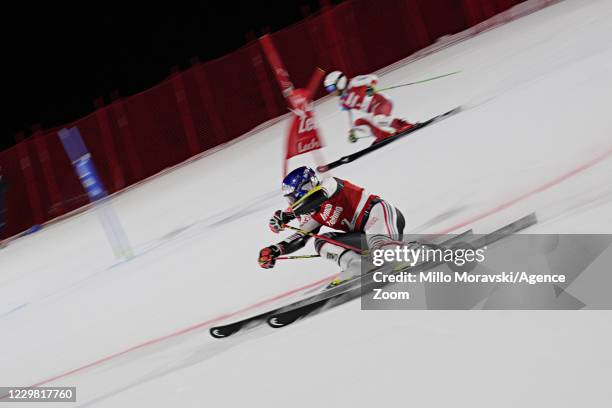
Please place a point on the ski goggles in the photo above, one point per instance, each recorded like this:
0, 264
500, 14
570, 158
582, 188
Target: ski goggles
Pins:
293, 194
331, 88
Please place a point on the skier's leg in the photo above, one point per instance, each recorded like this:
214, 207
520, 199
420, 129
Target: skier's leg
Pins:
348, 260
382, 107
384, 227
377, 126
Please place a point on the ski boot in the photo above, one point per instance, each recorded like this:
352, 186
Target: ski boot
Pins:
336, 282
401, 125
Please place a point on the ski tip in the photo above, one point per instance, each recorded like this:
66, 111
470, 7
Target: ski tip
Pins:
322, 169
217, 333
274, 322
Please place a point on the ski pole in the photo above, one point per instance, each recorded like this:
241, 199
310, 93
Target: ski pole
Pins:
299, 256
324, 238
417, 82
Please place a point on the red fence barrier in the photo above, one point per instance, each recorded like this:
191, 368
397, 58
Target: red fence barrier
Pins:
211, 103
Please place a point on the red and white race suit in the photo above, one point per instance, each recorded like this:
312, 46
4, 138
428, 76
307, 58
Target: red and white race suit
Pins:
375, 108
351, 209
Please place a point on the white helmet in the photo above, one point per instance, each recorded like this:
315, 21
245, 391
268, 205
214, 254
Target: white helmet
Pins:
335, 81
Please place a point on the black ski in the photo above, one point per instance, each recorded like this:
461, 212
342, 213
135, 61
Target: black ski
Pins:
354, 156
345, 292
227, 330
292, 313
352, 289
253, 321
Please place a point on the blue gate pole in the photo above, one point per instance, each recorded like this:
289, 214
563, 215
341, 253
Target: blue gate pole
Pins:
86, 171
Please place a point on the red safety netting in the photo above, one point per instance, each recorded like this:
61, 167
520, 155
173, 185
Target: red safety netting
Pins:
211, 103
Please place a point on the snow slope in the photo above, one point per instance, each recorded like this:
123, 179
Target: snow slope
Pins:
535, 137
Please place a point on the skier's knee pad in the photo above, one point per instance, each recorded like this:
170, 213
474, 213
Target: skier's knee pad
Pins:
330, 251
348, 260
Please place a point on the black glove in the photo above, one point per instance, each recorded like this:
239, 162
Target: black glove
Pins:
268, 255
279, 219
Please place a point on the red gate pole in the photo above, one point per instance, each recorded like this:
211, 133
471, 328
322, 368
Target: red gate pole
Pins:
264, 82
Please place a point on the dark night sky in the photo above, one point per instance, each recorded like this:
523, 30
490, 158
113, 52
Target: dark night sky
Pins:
57, 61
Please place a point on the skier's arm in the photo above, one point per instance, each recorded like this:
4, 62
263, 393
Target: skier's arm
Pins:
268, 255
297, 241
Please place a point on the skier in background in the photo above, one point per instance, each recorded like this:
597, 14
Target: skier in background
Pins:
337, 204
359, 94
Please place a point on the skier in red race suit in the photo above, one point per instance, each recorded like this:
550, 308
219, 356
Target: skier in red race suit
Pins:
337, 204
359, 94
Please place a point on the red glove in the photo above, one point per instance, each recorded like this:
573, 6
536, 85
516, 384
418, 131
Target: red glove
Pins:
279, 219
268, 255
